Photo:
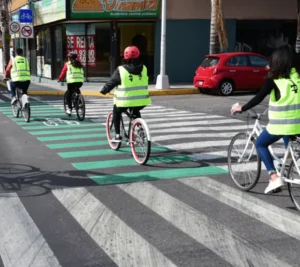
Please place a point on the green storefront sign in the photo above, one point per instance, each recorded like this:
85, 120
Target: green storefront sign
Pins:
99, 9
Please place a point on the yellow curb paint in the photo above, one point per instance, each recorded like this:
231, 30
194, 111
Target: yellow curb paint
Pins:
159, 92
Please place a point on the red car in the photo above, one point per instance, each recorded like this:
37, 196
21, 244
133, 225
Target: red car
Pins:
229, 72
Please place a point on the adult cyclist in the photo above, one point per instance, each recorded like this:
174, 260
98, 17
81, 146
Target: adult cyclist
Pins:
73, 69
19, 71
131, 82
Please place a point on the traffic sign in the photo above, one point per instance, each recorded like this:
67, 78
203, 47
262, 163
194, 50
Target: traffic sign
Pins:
14, 27
26, 31
25, 16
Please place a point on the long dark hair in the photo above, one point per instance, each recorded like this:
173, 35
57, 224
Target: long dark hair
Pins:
76, 63
134, 61
281, 62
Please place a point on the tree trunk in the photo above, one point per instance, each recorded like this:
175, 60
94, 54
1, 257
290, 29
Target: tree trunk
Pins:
297, 46
214, 42
218, 36
5, 18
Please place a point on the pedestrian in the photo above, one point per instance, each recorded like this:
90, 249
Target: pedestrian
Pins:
73, 69
19, 71
130, 81
283, 85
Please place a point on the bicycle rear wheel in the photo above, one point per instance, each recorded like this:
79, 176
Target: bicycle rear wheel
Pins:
66, 103
110, 132
140, 141
80, 107
294, 188
244, 163
26, 112
16, 108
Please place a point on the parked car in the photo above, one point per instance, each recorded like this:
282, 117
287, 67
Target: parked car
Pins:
230, 72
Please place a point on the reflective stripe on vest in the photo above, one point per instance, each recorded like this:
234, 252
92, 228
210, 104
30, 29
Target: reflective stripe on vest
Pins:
20, 69
133, 91
74, 75
284, 114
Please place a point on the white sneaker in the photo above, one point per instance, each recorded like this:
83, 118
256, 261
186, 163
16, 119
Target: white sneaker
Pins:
274, 185
13, 100
68, 111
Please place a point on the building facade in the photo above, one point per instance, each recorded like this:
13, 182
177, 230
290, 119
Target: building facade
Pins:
99, 30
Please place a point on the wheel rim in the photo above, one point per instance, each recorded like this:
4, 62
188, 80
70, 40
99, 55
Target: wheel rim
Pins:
243, 170
294, 189
80, 108
15, 109
139, 143
110, 131
26, 113
226, 88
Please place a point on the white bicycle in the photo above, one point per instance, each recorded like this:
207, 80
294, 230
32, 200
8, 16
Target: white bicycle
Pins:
244, 163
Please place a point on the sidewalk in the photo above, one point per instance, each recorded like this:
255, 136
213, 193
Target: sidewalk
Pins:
52, 87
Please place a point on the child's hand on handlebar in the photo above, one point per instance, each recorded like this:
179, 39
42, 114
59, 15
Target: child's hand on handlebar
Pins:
236, 109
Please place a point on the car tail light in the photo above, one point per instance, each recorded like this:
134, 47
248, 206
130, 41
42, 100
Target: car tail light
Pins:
215, 71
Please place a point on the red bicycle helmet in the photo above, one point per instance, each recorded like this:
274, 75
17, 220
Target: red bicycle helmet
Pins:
131, 52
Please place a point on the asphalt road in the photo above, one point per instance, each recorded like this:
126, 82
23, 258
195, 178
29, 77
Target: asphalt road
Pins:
67, 199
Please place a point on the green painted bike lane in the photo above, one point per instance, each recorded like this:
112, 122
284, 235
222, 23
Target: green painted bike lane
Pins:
79, 142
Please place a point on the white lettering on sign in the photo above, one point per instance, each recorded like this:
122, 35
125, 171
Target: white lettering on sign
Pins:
56, 121
70, 42
80, 41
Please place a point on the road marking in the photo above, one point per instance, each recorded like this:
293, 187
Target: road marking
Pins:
102, 152
157, 175
21, 243
88, 130
215, 236
69, 137
102, 164
265, 212
117, 239
78, 144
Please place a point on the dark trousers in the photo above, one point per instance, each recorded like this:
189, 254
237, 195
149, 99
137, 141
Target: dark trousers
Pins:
24, 85
13, 89
72, 87
117, 111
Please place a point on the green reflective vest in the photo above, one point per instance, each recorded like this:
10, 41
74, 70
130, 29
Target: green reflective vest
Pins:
284, 114
133, 91
74, 75
20, 69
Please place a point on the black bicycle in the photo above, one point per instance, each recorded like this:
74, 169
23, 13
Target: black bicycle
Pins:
137, 136
78, 104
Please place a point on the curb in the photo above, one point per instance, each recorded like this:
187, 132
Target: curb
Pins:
160, 92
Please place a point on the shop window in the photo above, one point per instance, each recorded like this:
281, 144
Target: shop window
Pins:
44, 53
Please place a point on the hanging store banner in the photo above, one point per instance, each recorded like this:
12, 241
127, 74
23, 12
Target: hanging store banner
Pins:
97, 9
47, 11
76, 43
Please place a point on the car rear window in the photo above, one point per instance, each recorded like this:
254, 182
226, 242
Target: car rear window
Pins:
210, 62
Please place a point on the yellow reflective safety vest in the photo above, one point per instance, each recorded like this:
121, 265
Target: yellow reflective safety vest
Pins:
133, 91
20, 70
74, 75
284, 114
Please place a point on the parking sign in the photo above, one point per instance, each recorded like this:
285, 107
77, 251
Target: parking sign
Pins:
25, 16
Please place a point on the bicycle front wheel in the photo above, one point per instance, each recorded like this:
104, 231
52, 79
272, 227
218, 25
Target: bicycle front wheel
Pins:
244, 163
80, 107
26, 112
110, 132
140, 141
16, 108
294, 188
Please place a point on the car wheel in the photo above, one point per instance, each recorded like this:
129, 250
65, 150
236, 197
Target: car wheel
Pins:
226, 88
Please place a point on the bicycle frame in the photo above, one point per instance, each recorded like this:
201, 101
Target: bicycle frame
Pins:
257, 130
131, 118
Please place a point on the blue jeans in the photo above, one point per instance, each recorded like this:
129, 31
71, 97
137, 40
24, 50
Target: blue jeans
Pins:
263, 141
13, 88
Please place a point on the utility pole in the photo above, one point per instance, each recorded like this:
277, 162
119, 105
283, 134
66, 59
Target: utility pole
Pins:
162, 81
4, 27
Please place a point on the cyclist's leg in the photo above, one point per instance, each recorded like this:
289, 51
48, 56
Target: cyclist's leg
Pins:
13, 89
77, 86
117, 111
69, 94
136, 111
24, 86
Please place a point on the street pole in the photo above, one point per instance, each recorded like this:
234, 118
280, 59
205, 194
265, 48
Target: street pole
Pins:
162, 81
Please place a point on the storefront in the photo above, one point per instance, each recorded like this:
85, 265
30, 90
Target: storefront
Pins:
98, 31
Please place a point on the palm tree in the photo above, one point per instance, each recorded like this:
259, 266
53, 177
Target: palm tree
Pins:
218, 36
4, 29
